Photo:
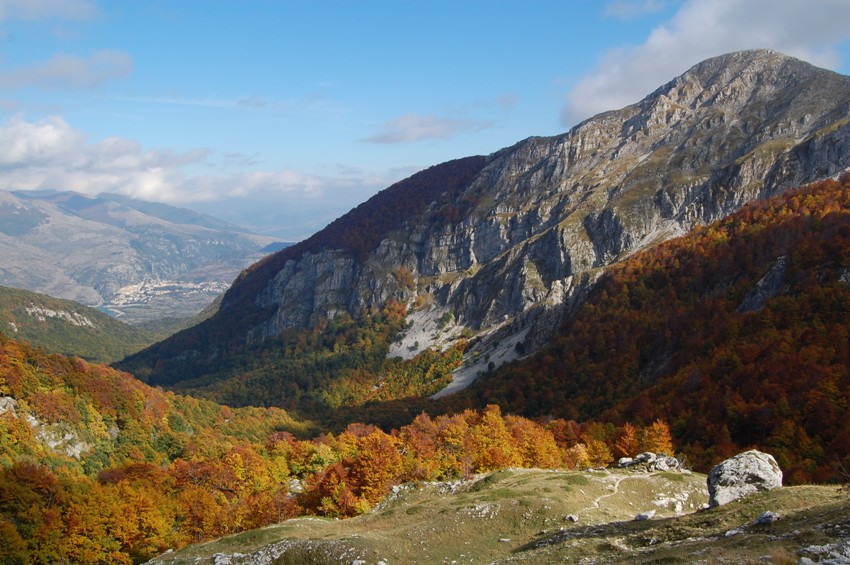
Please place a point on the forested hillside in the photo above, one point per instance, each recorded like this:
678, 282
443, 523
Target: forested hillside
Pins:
64, 326
737, 334
339, 362
96, 467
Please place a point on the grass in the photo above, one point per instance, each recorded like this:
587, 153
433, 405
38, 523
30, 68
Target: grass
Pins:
520, 515
427, 525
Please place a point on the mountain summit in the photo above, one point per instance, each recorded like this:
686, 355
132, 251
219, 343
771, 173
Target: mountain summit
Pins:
503, 247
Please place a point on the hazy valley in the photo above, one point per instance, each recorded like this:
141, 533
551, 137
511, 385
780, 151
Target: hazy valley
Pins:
138, 260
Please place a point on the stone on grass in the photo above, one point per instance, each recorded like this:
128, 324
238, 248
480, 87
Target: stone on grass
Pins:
649, 461
746, 473
767, 517
648, 515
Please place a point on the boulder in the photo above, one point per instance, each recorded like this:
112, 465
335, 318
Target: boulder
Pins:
767, 517
666, 463
648, 515
742, 475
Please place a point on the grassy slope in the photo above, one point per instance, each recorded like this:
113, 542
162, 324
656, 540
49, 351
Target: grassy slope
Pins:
436, 522
519, 515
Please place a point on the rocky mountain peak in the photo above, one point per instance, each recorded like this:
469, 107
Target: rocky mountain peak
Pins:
510, 243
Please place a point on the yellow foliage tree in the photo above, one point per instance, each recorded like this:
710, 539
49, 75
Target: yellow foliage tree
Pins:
656, 438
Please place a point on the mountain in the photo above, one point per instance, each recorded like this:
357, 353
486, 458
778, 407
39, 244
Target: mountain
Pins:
736, 335
64, 326
140, 260
500, 250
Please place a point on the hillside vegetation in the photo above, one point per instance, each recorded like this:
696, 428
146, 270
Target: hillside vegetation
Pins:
737, 334
98, 467
64, 326
340, 362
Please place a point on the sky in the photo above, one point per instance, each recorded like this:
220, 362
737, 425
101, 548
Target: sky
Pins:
281, 115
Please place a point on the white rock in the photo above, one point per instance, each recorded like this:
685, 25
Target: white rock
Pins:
742, 475
661, 464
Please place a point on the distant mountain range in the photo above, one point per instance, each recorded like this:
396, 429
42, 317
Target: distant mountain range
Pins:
139, 260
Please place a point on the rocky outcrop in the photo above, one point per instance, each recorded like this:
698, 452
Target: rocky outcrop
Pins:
513, 242
768, 286
742, 475
650, 462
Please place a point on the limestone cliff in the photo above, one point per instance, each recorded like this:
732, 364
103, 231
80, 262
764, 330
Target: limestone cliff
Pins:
509, 243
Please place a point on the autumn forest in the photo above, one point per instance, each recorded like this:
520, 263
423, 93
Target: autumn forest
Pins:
733, 336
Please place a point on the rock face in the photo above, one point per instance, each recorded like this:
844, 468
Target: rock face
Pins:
742, 475
512, 242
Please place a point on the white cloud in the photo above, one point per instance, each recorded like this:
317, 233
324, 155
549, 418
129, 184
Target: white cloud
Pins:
70, 71
50, 154
81, 10
416, 127
705, 28
24, 144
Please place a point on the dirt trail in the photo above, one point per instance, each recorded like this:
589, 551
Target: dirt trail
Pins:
614, 492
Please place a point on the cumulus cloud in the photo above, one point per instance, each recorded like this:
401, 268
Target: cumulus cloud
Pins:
705, 28
416, 127
81, 10
70, 71
24, 144
50, 154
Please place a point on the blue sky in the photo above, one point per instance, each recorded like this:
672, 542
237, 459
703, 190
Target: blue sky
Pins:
281, 115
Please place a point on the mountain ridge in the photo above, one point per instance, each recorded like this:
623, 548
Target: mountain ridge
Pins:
523, 241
